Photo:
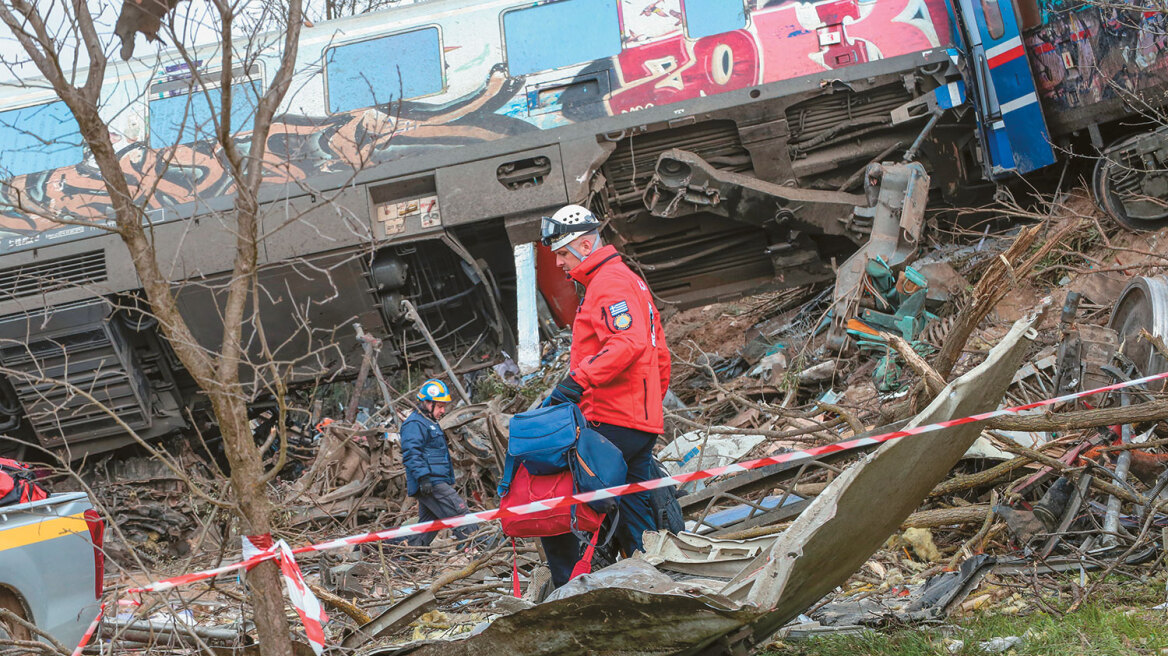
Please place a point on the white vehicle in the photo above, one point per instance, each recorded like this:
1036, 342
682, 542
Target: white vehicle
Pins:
51, 567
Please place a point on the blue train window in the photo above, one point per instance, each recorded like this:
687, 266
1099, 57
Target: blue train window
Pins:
38, 138
183, 111
709, 17
560, 34
382, 70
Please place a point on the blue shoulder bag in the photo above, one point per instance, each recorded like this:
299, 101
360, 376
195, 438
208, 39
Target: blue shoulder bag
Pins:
540, 439
597, 463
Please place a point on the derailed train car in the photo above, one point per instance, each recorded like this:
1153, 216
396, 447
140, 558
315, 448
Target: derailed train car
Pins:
419, 145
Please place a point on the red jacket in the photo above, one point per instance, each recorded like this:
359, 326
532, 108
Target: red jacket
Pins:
618, 345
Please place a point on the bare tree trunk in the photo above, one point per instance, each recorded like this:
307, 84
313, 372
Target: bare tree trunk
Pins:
217, 374
247, 481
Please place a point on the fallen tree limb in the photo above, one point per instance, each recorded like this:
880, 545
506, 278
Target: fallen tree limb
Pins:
798, 435
1134, 446
766, 409
458, 574
933, 380
1156, 341
1096, 481
970, 546
1049, 421
947, 516
33, 629
921, 519
1003, 274
855, 424
358, 615
984, 477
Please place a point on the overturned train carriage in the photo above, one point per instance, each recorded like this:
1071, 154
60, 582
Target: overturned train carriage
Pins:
414, 180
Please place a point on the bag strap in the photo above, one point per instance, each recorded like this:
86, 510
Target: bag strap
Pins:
581, 535
584, 565
508, 475
611, 527
16, 469
515, 570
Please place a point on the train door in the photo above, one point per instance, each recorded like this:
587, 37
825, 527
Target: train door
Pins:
1011, 122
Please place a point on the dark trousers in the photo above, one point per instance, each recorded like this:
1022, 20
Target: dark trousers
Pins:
563, 552
443, 502
636, 515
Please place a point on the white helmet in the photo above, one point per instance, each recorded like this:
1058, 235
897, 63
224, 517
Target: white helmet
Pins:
568, 223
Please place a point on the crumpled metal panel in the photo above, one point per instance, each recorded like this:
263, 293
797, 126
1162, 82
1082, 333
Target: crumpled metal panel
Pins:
605, 621
829, 541
699, 555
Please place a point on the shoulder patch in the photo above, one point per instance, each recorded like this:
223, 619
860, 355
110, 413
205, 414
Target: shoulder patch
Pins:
618, 308
622, 321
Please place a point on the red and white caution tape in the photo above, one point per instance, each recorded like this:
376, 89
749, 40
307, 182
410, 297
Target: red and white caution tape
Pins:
259, 548
632, 488
89, 632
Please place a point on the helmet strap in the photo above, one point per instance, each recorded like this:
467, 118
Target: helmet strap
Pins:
576, 253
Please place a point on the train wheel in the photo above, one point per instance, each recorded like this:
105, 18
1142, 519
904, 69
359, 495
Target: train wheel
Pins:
1131, 182
11, 630
1142, 307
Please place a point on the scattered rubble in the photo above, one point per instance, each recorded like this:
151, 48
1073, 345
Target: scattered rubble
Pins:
963, 520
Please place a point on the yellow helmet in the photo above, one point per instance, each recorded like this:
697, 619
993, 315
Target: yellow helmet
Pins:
434, 390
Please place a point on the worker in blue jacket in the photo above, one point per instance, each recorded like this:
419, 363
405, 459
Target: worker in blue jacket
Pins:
429, 472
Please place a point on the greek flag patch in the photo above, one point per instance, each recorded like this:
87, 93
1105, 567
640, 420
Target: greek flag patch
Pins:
621, 319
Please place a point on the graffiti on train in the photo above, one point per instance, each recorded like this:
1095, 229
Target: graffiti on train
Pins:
1086, 53
660, 62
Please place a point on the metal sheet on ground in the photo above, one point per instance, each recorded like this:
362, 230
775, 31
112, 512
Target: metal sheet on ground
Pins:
605, 621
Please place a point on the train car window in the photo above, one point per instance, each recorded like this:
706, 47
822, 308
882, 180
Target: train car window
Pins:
709, 17
560, 34
183, 111
38, 138
993, 18
382, 70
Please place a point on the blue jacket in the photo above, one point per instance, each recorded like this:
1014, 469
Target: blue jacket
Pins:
424, 452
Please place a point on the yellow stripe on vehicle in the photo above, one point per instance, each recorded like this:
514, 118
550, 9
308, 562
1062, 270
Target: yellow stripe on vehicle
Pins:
48, 529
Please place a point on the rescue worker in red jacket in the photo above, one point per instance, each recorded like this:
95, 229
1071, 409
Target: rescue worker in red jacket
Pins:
619, 364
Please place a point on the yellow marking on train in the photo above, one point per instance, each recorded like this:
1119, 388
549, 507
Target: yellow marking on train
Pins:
21, 536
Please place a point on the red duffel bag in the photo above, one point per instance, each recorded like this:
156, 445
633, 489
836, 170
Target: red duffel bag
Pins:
18, 483
526, 488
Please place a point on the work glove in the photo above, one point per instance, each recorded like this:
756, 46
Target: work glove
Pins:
425, 486
566, 391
